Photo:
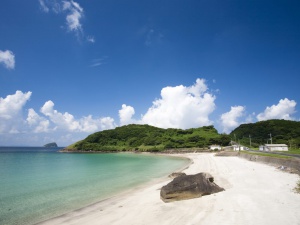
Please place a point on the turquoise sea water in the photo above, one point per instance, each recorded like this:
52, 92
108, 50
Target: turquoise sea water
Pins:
40, 183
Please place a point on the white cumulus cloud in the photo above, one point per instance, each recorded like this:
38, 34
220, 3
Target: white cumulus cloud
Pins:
126, 114
283, 110
66, 121
19, 129
230, 120
13, 104
38, 123
7, 58
11, 112
181, 107
89, 124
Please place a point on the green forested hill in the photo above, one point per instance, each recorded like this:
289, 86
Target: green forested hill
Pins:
149, 138
282, 132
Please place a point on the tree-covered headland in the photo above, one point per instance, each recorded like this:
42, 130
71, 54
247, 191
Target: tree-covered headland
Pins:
280, 131
135, 137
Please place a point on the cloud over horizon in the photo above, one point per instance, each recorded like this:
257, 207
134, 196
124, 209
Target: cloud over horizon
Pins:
283, 110
178, 107
125, 115
230, 120
50, 122
39, 123
66, 121
11, 110
182, 107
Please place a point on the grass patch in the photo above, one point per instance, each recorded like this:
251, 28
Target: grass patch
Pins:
293, 151
267, 154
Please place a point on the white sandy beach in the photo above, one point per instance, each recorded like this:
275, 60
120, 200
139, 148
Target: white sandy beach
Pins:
254, 193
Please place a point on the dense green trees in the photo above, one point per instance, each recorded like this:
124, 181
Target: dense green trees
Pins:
282, 132
149, 138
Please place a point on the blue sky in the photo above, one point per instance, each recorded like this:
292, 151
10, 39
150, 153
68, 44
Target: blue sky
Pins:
70, 68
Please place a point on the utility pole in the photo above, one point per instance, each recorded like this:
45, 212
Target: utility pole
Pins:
271, 137
250, 140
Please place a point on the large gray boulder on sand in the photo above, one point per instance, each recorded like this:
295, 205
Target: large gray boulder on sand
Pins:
189, 186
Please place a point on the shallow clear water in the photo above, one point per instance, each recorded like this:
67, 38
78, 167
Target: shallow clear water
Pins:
39, 183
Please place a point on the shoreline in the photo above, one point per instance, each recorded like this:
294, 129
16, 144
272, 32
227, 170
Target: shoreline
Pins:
165, 152
142, 205
125, 192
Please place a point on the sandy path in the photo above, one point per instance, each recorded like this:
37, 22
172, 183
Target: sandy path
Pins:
255, 194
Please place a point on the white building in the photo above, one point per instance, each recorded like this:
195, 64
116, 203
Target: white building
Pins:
239, 147
213, 147
273, 147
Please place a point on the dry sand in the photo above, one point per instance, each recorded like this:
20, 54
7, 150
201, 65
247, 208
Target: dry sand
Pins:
255, 194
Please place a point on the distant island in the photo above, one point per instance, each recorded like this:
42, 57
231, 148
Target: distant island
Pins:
143, 138
51, 145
